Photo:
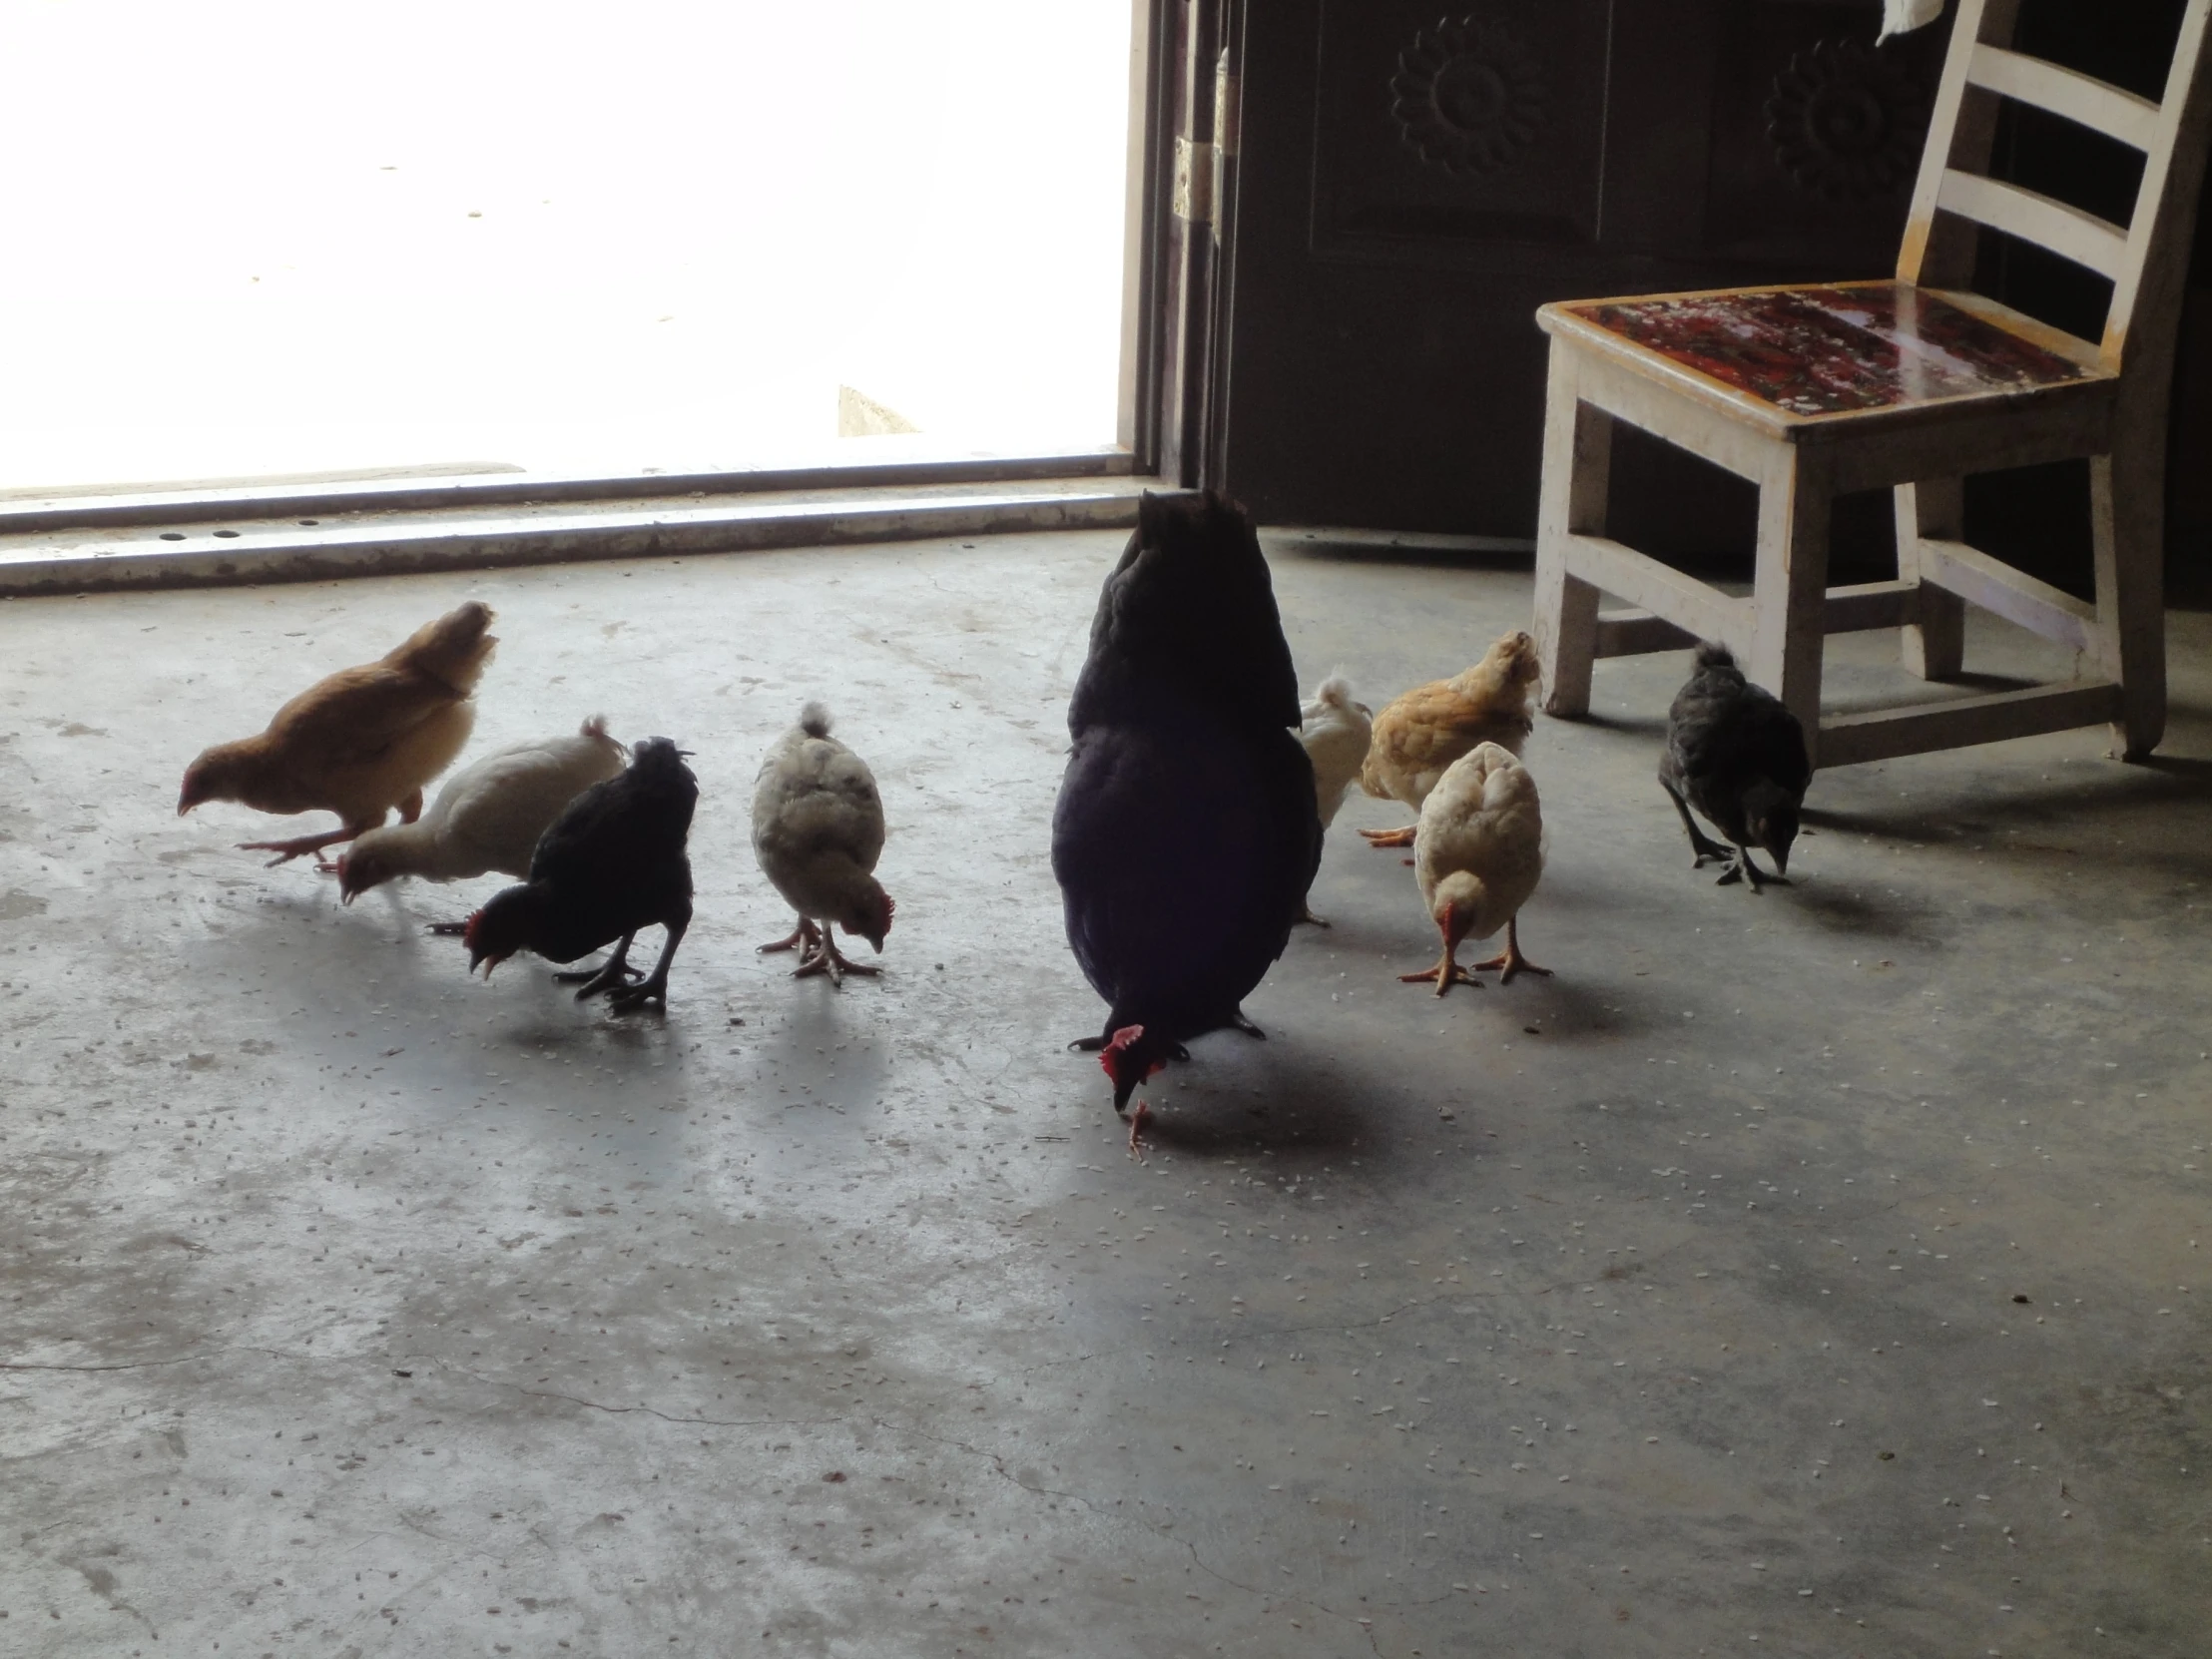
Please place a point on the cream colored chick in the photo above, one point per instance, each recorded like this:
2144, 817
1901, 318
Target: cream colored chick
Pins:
1333, 732
358, 742
1478, 854
489, 815
818, 830
1420, 734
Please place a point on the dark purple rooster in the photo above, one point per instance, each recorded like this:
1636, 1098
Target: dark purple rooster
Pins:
1186, 833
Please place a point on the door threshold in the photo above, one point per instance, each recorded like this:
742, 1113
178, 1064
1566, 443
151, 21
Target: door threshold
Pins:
273, 536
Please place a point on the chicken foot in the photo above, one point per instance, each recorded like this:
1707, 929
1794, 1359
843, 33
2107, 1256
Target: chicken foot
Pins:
1137, 1122
805, 938
1512, 960
1743, 869
827, 958
1700, 843
623, 998
1391, 838
287, 851
1448, 972
615, 971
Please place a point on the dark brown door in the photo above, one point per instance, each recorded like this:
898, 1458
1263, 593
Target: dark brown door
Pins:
1406, 188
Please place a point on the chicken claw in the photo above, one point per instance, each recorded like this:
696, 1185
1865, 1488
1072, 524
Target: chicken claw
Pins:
1701, 844
611, 976
623, 998
1743, 869
287, 851
1391, 838
1238, 1022
1137, 1121
827, 958
1512, 960
1446, 975
805, 938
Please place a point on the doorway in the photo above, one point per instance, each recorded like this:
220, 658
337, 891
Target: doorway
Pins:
249, 237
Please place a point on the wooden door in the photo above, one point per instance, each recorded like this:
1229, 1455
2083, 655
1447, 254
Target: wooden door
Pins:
1409, 186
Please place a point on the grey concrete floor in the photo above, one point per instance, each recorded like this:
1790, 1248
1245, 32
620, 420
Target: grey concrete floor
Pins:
1809, 1273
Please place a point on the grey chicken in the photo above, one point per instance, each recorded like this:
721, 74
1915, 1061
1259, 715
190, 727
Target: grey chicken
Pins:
1737, 755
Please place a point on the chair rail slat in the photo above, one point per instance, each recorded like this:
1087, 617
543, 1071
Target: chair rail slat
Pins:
2087, 240
2064, 91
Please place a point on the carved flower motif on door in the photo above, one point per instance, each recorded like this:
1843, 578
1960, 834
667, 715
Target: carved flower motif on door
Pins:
1469, 96
1846, 123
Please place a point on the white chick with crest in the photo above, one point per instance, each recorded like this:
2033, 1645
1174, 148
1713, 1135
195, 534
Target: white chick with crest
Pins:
488, 816
1479, 854
818, 830
1334, 732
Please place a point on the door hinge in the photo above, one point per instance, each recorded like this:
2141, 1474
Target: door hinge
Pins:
1195, 167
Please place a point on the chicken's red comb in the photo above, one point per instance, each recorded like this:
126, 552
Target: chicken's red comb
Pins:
1109, 1057
475, 926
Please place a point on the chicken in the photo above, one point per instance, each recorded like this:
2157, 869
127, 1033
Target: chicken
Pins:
1478, 856
1185, 833
1423, 732
818, 830
612, 864
359, 743
1333, 732
489, 815
1737, 755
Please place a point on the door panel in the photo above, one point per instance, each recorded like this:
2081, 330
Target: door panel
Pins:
1410, 188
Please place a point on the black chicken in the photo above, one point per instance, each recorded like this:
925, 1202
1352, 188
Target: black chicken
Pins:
1186, 833
1738, 756
612, 862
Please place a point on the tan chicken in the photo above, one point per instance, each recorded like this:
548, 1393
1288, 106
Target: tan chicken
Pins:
1335, 732
1423, 732
359, 743
1478, 856
818, 830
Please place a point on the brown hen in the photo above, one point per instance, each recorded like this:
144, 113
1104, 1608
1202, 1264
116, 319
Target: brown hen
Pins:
359, 743
1419, 734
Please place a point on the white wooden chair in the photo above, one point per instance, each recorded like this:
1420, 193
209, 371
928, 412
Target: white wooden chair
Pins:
1911, 384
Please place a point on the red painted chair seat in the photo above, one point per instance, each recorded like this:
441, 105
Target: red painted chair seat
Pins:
1848, 349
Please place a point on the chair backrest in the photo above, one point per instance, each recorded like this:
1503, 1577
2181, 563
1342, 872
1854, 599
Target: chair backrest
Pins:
2145, 259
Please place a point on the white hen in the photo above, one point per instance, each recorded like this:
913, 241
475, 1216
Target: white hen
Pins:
818, 830
1479, 854
1333, 732
489, 815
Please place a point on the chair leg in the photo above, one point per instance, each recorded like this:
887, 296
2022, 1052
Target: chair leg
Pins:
1935, 645
1577, 468
2127, 521
1791, 585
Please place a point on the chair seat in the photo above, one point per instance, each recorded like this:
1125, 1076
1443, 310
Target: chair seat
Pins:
1797, 356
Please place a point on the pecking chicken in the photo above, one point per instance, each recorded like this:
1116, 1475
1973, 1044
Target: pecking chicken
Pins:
489, 815
818, 830
1334, 733
1478, 856
1736, 754
612, 864
1186, 831
359, 743
1419, 735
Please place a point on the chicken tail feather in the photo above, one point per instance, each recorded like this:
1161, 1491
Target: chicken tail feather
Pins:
1709, 654
1335, 691
453, 649
814, 720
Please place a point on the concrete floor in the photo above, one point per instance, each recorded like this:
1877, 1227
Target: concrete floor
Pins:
1810, 1274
